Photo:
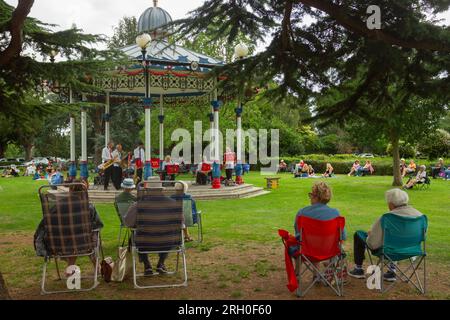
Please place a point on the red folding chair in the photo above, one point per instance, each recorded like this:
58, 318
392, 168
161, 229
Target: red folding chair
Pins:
321, 253
155, 163
172, 169
206, 167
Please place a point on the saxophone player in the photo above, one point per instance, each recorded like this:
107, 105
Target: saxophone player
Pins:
107, 155
116, 167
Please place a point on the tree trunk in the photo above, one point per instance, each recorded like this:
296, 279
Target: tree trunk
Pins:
2, 150
395, 141
28, 151
4, 295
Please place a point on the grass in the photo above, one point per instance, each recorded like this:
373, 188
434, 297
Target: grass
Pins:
244, 224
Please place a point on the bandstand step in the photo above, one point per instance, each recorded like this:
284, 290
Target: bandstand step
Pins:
197, 192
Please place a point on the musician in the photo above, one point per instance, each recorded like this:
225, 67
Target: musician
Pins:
139, 159
107, 155
229, 162
204, 170
116, 167
167, 161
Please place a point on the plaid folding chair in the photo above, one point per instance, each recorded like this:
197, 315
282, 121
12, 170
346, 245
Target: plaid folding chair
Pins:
320, 242
190, 221
403, 240
159, 229
68, 230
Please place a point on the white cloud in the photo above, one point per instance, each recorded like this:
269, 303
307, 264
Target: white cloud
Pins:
100, 16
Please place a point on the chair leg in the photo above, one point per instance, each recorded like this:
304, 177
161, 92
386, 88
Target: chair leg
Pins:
57, 269
44, 273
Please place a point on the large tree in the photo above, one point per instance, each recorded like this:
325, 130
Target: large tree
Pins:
316, 46
125, 33
26, 44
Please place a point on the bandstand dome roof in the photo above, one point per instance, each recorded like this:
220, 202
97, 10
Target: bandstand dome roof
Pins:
153, 18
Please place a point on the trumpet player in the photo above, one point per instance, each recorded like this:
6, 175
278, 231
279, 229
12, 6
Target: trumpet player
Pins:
107, 156
116, 168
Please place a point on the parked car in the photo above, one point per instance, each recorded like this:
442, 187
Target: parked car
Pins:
21, 160
366, 155
39, 160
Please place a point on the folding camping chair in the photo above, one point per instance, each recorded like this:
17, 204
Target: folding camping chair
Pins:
424, 185
68, 226
121, 210
189, 220
159, 228
321, 241
403, 239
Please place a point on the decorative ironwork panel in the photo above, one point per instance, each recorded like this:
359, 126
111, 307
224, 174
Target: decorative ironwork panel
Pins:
166, 81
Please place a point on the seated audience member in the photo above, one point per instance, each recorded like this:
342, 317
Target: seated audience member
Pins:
397, 201
14, 171
410, 169
125, 199
368, 168
40, 234
355, 167
30, 170
420, 178
403, 165
304, 171
320, 196
6, 173
182, 189
282, 166
436, 170
311, 172
130, 220
298, 169
447, 173
329, 171
56, 178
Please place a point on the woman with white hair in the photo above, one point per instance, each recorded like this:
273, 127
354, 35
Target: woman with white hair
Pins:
420, 178
397, 201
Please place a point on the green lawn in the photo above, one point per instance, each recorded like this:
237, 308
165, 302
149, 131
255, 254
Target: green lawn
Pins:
232, 223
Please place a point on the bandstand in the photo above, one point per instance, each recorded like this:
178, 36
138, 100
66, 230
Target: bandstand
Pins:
160, 75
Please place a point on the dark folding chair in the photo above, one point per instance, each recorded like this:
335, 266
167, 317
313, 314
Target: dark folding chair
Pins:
69, 230
159, 228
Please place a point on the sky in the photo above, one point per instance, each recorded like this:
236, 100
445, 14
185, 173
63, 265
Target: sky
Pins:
100, 16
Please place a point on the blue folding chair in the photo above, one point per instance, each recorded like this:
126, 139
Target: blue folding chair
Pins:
403, 240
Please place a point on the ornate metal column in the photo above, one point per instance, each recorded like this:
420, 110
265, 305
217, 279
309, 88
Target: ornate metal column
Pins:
217, 172
107, 119
84, 173
161, 131
239, 168
73, 159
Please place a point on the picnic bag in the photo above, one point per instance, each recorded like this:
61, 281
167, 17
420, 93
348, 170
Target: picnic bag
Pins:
124, 263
